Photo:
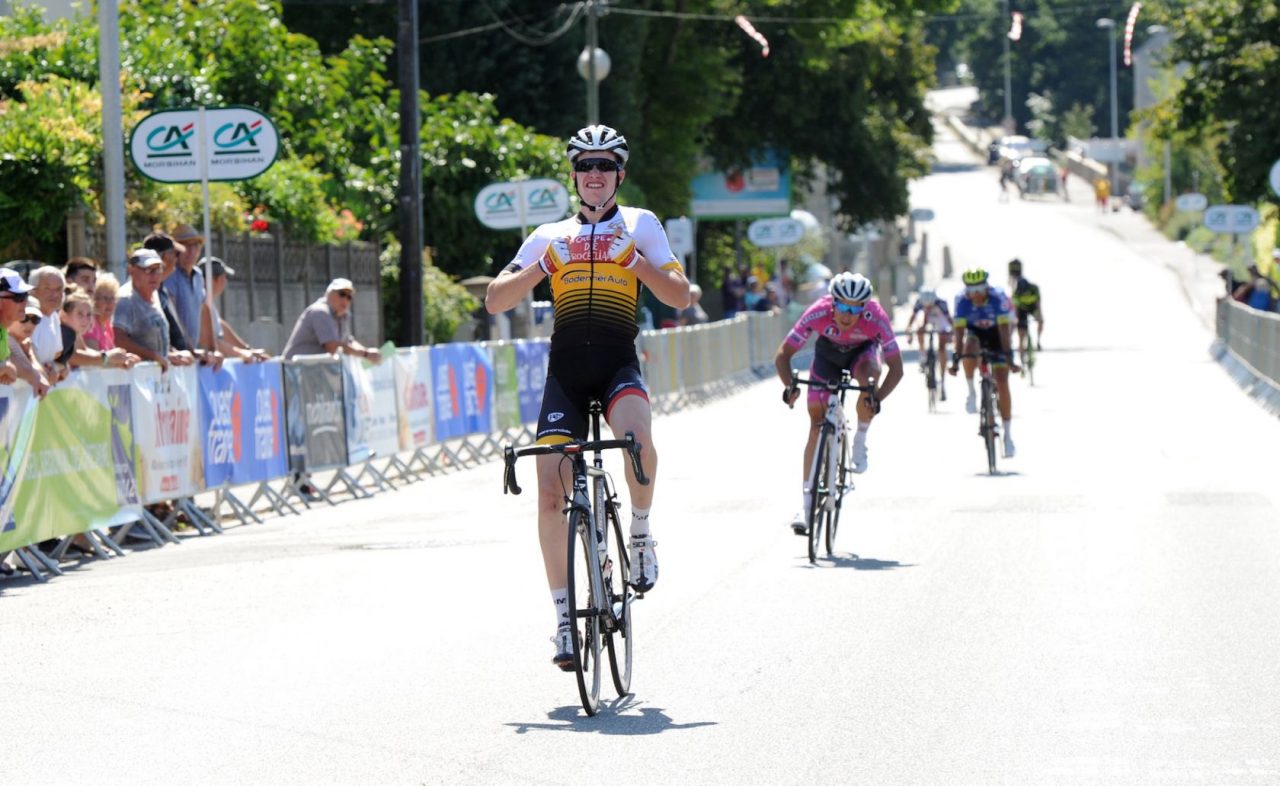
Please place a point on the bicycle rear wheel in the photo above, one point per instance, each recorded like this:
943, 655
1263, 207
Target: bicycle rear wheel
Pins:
1031, 364
583, 610
618, 638
821, 485
931, 379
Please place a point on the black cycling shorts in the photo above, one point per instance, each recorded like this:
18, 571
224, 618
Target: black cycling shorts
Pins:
1023, 314
989, 340
575, 375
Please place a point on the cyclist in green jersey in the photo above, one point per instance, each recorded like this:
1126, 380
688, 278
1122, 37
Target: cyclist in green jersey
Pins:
1026, 300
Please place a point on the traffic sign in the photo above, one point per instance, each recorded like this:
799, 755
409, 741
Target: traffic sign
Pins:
1191, 203
1235, 219
521, 203
771, 232
239, 143
1274, 178
920, 214
680, 236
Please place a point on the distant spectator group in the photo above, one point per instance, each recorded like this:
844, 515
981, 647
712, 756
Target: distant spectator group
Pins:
1257, 290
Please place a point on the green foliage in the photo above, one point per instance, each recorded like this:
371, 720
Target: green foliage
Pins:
446, 304
49, 147
293, 192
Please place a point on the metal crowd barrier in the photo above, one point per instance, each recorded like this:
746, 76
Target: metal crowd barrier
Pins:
105, 448
1249, 345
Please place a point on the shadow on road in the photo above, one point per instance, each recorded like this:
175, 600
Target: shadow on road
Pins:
850, 560
1000, 473
622, 716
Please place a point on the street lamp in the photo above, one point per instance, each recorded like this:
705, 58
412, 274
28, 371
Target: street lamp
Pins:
1110, 26
593, 63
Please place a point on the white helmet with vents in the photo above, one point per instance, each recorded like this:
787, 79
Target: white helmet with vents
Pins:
850, 286
598, 139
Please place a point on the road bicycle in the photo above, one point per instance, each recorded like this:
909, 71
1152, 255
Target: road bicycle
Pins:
600, 594
932, 380
1028, 354
988, 428
831, 473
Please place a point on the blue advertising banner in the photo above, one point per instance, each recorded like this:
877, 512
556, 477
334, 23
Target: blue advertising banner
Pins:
762, 189
464, 392
242, 418
531, 372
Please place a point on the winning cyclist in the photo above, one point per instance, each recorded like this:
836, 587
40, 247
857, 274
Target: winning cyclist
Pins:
854, 332
982, 319
936, 314
1026, 299
597, 261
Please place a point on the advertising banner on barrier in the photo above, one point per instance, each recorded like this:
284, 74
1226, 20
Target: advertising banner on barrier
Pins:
124, 449
371, 409
506, 387
531, 373
68, 485
464, 394
17, 425
166, 415
242, 420
314, 414
413, 398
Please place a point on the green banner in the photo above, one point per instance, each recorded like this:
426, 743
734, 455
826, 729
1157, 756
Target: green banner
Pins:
506, 387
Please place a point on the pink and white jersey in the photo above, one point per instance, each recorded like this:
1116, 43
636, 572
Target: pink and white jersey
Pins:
871, 325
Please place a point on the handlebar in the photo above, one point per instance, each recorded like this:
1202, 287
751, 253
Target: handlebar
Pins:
833, 386
628, 443
985, 355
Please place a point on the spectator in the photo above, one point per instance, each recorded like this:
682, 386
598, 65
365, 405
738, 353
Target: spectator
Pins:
179, 337
755, 293
694, 314
81, 271
77, 316
1102, 193
14, 293
1066, 196
184, 283
223, 338
101, 335
20, 350
769, 304
139, 321
48, 287
733, 291
325, 326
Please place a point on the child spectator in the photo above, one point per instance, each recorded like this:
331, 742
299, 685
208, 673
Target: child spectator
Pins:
101, 335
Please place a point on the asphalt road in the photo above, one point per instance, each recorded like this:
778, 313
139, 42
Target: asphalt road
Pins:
1102, 612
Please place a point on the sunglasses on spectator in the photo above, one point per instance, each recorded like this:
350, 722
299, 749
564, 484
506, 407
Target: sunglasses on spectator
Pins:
601, 164
344, 294
20, 297
845, 308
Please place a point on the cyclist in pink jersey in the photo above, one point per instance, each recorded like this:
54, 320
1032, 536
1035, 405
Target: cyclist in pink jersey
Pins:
854, 333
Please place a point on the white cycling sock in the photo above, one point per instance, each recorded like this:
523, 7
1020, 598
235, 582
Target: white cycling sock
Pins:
861, 434
1008, 434
639, 522
560, 599
806, 499
969, 381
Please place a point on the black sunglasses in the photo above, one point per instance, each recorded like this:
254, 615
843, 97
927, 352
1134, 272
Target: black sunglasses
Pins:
20, 297
31, 319
345, 295
602, 164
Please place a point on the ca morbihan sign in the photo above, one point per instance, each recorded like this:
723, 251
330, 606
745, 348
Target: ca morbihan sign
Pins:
521, 203
239, 142
1231, 219
773, 232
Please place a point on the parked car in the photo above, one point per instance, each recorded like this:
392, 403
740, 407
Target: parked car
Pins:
1135, 196
1015, 148
1036, 175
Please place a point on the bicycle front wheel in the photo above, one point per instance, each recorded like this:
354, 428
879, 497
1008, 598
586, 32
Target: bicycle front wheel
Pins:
821, 484
989, 425
617, 586
583, 609
931, 379
844, 480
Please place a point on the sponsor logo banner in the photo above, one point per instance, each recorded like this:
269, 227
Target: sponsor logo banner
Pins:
314, 414
463, 390
372, 424
506, 387
166, 418
413, 398
242, 420
531, 375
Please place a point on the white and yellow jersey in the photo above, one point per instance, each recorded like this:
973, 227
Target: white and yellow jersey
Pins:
594, 288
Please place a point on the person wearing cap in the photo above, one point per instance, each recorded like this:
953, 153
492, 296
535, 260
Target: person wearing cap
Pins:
19, 348
325, 326
139, 321
184, 283
180, 337
14, 294
48, 288
222, 337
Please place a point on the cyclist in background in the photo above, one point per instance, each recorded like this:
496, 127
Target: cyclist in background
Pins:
982, 319
936, 314
854, 333
1026, 299
596, 261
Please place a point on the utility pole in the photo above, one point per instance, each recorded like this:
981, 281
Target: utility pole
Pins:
410, 196
1008, 79
1110, 26
593, 79
113, 256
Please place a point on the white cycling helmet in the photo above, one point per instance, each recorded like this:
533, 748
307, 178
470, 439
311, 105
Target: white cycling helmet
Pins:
850, 286
928, 297
598, 139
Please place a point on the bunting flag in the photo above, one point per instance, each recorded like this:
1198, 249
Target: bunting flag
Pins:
1015, 27
750, 30
1128, 32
